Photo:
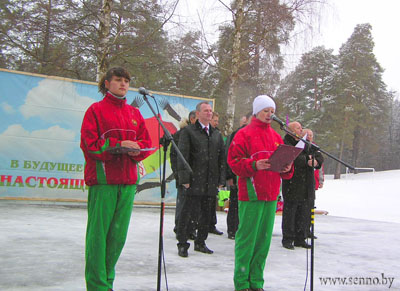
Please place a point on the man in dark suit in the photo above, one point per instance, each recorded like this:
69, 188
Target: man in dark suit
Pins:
297, 193
203, 148
179, 188
213, 221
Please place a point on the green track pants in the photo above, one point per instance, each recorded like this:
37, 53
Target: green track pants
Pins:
252, 242
109, 213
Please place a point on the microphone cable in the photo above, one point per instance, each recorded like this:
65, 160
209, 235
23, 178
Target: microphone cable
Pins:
306, 280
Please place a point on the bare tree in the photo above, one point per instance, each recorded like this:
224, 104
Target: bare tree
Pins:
231, 99
260, 27
104, 38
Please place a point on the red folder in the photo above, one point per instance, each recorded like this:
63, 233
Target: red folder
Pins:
283, 156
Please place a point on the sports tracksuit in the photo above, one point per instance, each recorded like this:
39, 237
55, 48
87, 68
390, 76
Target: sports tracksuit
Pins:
112, 180
258, 191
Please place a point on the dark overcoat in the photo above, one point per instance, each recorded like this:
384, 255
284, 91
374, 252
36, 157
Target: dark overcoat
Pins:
173, 155
302, 185
205, 154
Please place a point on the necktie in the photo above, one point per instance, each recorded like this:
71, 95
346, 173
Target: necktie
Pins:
206, 130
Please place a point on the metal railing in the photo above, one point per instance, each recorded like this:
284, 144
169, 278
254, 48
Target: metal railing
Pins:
356, 169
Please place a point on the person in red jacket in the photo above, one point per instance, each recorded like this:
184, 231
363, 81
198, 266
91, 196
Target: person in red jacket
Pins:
319, 178
112, 178
258, 190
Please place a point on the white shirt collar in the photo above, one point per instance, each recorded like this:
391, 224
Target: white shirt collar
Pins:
202, 126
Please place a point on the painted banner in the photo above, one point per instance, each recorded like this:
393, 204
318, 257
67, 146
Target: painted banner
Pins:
40, 122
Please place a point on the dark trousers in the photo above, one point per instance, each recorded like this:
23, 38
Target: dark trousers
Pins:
232, 219
213, 214
200, 207
180, 197
179, 203
294, 221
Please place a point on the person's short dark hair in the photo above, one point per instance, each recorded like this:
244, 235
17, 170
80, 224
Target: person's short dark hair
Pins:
191, 114
215, 114
248, 115
116, 71
198, 106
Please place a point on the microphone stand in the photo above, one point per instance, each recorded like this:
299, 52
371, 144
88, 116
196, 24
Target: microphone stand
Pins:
312, 226
165, 141
316, 148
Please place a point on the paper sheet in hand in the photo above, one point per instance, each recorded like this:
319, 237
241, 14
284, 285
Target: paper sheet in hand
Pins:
283, 156
125, 150
301, 143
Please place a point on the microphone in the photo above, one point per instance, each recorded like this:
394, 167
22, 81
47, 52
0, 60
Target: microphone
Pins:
275, 118
144, 92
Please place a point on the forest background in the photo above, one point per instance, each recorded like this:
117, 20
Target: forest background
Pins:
342, 97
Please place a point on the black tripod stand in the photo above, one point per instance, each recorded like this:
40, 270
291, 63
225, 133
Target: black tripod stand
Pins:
165, 141
313, 148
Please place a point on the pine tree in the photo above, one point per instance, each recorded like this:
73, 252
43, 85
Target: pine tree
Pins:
344, 100
189, 75
390, 157
76, 39
362, 95
248, 54
305, 91
253, 66
35, 35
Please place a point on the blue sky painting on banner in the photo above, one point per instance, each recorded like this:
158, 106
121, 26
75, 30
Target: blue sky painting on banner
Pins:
40, 124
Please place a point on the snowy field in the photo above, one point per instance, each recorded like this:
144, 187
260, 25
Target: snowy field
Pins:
42, 246
372, 196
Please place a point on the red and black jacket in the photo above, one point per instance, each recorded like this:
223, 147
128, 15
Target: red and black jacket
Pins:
106, 124
251, 143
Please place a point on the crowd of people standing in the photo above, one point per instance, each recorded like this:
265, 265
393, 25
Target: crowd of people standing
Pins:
241, 164
253, 189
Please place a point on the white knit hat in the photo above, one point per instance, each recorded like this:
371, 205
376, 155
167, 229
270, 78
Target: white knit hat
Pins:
261, 102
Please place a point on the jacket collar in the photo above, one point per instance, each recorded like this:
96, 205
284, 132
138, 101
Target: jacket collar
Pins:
290, 139
258, 123
198, 126
114, 100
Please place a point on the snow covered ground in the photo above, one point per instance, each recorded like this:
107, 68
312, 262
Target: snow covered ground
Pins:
42, 246
372, 196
